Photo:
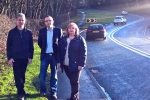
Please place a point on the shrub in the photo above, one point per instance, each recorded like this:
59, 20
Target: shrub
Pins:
5, 26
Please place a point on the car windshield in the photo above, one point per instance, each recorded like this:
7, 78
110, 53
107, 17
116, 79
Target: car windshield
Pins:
118, 18
96, 27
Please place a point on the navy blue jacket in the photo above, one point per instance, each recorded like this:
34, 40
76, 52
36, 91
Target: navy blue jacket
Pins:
42, 41
77, 52
19, 46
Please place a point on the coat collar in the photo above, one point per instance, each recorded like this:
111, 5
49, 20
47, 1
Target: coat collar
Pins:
16, 29
45, 32
76, 37
45, 29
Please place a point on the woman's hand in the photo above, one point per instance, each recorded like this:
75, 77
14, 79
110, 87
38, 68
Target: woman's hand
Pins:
58, 64
80, 68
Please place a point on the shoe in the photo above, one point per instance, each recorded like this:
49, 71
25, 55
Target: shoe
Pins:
72, 99
20, 97
42, 94
54, 97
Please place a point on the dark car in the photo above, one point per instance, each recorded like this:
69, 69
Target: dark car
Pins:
95, 31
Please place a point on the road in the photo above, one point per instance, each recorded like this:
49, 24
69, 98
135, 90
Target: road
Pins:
120, 64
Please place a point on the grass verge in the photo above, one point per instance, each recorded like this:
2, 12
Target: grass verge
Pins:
102, 17
7, 84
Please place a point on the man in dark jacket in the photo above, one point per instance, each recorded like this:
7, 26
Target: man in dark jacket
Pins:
48, 42
20, 52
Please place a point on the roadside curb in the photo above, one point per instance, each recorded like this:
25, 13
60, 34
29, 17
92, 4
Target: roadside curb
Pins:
102, 91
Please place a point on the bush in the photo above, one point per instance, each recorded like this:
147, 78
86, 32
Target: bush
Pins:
5, 26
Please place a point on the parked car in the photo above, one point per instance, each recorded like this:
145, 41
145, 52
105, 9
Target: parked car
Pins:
124, 12
119, 20
95, 31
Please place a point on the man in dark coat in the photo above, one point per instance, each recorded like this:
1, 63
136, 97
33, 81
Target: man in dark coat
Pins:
48, 42
20, 52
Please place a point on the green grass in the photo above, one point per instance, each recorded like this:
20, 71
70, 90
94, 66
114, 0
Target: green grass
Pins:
102, 17
7, 86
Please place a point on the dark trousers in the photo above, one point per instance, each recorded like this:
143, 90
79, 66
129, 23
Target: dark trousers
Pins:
19, 69
74, 82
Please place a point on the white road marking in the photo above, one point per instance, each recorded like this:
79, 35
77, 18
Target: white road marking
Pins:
144, 33
111, 36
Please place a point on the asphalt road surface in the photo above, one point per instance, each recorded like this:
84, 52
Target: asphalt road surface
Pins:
121, 63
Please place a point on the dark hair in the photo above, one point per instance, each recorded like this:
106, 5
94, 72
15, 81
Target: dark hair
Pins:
48, 16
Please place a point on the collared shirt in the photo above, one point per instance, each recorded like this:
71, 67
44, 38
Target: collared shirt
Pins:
49, 48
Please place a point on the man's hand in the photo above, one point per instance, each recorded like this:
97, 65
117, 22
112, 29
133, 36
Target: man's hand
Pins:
10, 62
80, 68
29, 61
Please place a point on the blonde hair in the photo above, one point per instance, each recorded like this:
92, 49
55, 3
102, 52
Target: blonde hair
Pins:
76, 28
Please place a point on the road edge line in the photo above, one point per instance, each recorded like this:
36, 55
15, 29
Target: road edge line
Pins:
100, 88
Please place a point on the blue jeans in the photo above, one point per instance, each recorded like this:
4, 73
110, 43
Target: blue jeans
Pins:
48, 59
